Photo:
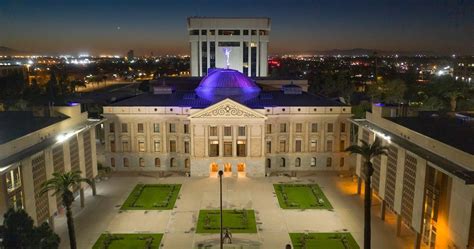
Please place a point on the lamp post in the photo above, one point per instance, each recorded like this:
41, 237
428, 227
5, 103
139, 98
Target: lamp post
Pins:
220, 188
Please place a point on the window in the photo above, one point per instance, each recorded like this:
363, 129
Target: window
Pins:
141, 146
299, 127
298, 162
126, 163
112, 146
112, 162
203, 32
282, 145
282, 162
125, 146
283, 128
268, 148
157, 162
314, 145
246, 32
227, 131
227, 148
187, 163
172, 145
329, 162
241, 148
268, 163
343, 127
172, 163
140, 128
157, 146
241, 131
141, 162
229, 32
213, 131
342, 146
156, 128
268, 128
186, 146
314, 127
313, 161
330, 128
124, 128
172, 128
186, 128
228, 44
214, 148
111, 128
329, 145
254, 32
341, 162
298, 146
212, 32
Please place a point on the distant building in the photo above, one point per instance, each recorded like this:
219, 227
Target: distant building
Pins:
235, 43
34, 145
14, 69
130, 55
464, 70
428, 176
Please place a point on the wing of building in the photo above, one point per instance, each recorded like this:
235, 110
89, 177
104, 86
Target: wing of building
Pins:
227, 123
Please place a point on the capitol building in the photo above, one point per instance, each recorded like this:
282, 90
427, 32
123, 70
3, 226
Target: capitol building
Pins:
228, 122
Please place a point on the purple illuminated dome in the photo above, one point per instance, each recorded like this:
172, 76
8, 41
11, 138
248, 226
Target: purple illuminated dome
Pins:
226, 83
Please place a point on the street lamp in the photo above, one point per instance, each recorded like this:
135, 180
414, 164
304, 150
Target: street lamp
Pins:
220, 188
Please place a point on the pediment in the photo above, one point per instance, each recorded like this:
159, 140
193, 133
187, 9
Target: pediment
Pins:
227, 108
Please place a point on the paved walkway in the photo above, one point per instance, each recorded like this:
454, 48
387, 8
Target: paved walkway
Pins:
102, 212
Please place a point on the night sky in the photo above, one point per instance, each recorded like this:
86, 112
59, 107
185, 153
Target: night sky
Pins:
114, 26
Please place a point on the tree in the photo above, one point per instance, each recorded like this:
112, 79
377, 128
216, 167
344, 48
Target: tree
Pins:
446, 90
19, 233
368, 152
62, 184
391, 91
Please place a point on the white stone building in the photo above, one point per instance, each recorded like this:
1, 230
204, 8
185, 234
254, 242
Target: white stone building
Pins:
246, 39
227, 123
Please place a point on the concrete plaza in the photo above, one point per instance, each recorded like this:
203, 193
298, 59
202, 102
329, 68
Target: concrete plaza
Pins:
102, 213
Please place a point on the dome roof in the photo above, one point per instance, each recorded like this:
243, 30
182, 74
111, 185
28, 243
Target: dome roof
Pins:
226, 83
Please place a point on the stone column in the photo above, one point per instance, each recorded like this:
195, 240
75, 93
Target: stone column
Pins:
399, 224
4, 201
382, 210
234, 140
81, 195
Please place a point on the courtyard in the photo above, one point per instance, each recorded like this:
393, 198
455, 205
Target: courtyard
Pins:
180, 226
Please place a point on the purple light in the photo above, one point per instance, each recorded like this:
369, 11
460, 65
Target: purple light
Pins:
73, 103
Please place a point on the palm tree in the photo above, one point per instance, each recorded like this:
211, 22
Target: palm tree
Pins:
368, 152
62, 184
453, 97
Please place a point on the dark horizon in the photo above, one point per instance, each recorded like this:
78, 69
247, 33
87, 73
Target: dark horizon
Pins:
114, 27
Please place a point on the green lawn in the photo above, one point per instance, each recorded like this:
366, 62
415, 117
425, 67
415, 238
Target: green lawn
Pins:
152, 197
301, 196
323, 241
128, 241
238, 221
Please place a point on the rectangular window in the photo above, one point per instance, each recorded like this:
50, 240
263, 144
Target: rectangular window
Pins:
330, 127
329, 162
213, 148
268, 148
173, 146
140, 128
212, 54
141, 162
125, 146
282, 145
342, 145
111, 127
204, 57
254, 32
241, 131
245, 55
141, 146
283, 128
213, 131
229, 32
212, 32
172, 128
343, 127
157, 146
156, 128
227, 148
112, 146
227, 131
253, 59
124, 128
298, 146
186, 128
299, 127
314, 127
329, 145
314, 145
241, 148
228, 44
186, 147
268, 128
246, 32
203, 32
341, 162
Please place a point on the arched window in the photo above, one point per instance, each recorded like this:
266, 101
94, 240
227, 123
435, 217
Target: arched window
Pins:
313, 161
186, 163
141, 162
172, 163
112, 162
298, 162
282, 162
268, 163
126, 163
157, 162
329, 162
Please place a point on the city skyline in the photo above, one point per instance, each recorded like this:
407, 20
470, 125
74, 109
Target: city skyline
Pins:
146, 27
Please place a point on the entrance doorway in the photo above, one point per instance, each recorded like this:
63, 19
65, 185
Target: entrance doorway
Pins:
241, 167
227, 168
214, 167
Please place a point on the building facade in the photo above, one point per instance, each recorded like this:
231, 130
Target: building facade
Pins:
33, 146
236, 43
426, 178
227, 123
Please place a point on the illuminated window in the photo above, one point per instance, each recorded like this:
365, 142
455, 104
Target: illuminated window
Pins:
241, 148
141, 162
141, 146
140, 128
172, 146
156, 128
227, 148
282, 145
157, 146
314, 145
213, 148
187, 163
313, 162
172, 128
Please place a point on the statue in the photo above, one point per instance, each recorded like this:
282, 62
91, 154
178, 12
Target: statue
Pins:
227, 56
